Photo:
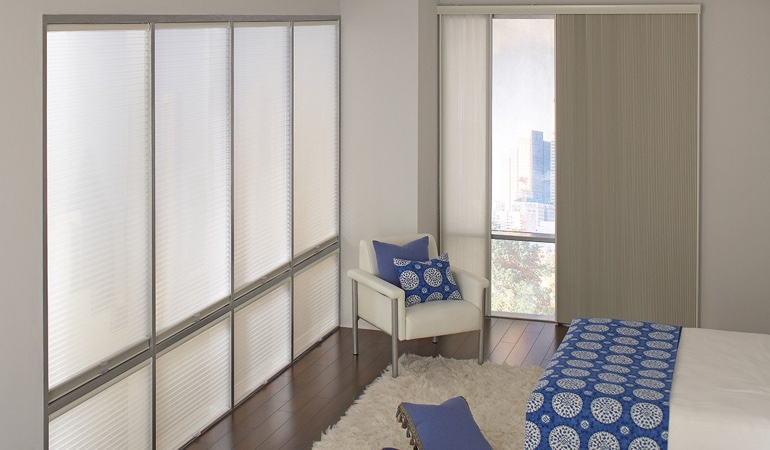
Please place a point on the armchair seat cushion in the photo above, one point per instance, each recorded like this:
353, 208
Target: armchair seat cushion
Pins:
441, 318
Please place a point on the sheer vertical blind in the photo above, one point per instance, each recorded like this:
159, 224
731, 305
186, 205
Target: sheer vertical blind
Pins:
626, 115
627, 165
173, 181
98, 195
465, 224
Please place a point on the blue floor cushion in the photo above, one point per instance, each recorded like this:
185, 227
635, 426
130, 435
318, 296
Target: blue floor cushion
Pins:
447, 426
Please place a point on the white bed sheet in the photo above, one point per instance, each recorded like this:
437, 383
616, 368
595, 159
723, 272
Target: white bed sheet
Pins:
720, 396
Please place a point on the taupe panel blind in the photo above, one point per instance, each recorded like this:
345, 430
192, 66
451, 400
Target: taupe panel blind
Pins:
626, 126
465, 224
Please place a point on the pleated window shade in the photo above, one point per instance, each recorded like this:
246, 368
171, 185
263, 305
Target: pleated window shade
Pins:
120, 416
465, 225
262, 339
316, 119
262, 150
626, 126
316, 302
192, 157
98, 195
193, 385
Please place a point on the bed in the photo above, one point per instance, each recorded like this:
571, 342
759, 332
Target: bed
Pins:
642, 386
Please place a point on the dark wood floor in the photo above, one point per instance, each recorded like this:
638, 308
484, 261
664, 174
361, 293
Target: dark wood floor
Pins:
293, 410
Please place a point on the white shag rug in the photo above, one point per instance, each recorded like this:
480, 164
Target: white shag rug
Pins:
496, 394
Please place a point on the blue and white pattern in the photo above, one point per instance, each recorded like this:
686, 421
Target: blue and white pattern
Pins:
607, 387
426, 281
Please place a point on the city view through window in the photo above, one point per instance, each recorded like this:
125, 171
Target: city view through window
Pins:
523, 166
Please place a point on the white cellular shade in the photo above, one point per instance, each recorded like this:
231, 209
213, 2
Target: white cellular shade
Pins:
98, 194
192, 157
316, 104
262, 150
465, 225
316, 302
120, 416
193, 385
262, 339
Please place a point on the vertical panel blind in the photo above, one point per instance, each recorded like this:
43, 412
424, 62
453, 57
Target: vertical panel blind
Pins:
316, 302
262, 146
192, 153
316, 118
262, 339
98, 195
626, 114
193, 385
465, 224
220, 152
119, 416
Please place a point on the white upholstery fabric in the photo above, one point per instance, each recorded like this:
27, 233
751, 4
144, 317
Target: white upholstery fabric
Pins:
435, 318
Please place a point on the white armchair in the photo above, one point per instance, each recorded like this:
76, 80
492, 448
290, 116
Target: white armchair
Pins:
383, 304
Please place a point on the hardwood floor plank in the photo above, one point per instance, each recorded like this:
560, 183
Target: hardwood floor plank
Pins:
520, 351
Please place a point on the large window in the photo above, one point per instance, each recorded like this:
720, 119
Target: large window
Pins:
192, 219
523, 253
600, 103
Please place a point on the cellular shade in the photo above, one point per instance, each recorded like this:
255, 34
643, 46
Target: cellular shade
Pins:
316, 302
192, 164
465, 225
98, 162
120, 416
316, 104
262, 150
626, 115
262, 339
193, 385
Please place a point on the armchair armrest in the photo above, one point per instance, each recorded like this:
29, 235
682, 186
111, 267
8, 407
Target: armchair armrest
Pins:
377, 284
471, 286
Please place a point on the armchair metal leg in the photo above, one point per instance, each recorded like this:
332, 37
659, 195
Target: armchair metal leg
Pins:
435, 339
481, 344
355, 317
394, 336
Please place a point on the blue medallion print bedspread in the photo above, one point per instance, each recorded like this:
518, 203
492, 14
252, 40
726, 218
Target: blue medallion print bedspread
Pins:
607, 387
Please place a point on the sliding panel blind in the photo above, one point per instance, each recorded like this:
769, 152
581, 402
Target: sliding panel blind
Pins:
262, 339
262, 150
98, 195
316, 302
119, 416
465, 227
316, 119
626, 115
193, 385
192, 156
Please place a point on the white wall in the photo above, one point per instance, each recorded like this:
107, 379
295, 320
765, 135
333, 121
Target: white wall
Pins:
735, 210
389, 137
21, 186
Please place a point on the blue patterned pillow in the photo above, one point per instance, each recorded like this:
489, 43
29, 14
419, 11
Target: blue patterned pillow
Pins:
425, 281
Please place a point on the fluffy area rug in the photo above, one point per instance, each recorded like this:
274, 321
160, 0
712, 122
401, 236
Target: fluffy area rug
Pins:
497, 396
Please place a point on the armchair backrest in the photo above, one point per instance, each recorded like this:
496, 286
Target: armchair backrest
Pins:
368, 261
